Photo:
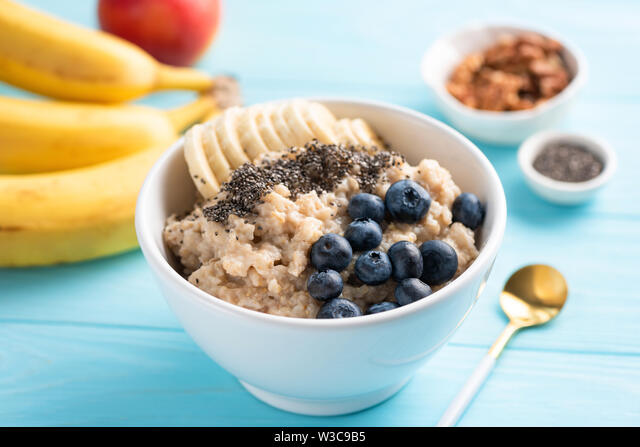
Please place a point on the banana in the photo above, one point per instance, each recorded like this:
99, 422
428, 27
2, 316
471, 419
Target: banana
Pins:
249, 135
343, 131
46, 55
197, 163
357, 132
364, 134
280, 125
319, 119
42, 136
240, 135
296, 123
226, 94
218, 162
71, 215
227, 135
265, 127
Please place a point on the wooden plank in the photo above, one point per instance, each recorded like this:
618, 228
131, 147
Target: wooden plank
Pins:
118, 290
66, 375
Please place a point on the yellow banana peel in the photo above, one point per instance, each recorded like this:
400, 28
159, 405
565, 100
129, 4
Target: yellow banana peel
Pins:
46, 55
71, 215
44, 136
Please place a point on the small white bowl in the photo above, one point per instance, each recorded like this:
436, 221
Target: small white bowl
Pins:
446, 53
326, 367
565, 193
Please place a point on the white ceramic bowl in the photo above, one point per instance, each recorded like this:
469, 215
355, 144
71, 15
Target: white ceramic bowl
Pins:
325, 367
565, 193
446, 53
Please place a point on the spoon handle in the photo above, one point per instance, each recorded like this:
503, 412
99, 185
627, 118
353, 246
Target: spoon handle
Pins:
479, 375
467, 393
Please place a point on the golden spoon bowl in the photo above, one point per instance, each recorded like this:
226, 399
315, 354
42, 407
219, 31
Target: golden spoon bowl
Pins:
533, 295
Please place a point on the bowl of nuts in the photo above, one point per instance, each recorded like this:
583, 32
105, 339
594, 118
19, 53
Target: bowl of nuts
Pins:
502, 83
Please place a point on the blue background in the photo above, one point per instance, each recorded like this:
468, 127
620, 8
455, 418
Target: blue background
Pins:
95, 344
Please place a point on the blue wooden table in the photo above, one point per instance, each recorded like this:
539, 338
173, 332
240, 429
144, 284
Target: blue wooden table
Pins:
94, 343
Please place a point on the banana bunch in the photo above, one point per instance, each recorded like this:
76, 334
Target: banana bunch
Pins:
70, 172
213, 149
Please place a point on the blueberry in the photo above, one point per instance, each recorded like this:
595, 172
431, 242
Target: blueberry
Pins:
440, 262
407, 201
331, 252
468, 210
366, 205
339, 308
363, 234
406, 260
373, 268
410, 290
325, 285
381, 307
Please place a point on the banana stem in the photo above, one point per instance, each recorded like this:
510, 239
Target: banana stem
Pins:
188, 114
179, 78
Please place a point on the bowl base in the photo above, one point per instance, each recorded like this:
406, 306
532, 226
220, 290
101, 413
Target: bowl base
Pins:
324, 407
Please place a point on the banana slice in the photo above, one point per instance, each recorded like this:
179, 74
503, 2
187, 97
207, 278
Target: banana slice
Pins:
365, 135
217, 161
280, 125
265, 127
343, 131
296, 123
319, 119
248, 134
362, 138
228, 137
198, 164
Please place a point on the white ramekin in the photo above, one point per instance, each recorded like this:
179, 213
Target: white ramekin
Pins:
565, 193
447, 52
327, 367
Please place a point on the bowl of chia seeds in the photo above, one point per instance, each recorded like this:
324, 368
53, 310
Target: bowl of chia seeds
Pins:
566, 168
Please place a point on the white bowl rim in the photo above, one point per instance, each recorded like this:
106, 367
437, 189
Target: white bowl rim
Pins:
576, 83
486, 255
536, 142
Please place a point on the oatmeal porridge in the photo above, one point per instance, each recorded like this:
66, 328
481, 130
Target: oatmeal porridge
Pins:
250, 244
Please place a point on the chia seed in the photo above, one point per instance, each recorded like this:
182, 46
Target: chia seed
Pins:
315, 167
567, 162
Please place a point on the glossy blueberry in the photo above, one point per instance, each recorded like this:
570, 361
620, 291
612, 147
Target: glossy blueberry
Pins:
381, 307
331, 252
363, 234
468, 210
339, 308
373, 268
410, 290
406, 260
407, 201
366, 205
325, 285
439, 262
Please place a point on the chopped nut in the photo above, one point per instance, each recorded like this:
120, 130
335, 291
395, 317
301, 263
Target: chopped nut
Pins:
517, 73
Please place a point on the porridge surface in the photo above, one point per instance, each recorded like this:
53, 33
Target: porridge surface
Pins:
261, 261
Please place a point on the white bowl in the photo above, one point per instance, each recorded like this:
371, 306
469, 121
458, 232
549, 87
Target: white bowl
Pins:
446, 53
565, 193
327, 367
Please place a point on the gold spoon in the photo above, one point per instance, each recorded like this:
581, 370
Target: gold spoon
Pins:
532, 296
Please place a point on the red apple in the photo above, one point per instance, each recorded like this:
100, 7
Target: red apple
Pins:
175, 32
